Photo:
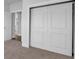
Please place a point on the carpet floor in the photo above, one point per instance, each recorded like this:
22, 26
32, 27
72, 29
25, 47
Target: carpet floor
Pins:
14, 50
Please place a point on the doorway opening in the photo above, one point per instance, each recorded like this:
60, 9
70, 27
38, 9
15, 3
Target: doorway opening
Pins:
16, 25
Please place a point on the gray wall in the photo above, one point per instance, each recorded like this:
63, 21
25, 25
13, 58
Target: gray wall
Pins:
7, 22
16, 7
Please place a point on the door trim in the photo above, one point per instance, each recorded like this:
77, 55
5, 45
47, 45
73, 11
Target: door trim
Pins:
73, 20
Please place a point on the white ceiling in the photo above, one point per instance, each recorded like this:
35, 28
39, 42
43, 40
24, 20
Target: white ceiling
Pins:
10, 1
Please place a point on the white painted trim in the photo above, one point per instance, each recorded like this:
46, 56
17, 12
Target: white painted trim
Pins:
46, 3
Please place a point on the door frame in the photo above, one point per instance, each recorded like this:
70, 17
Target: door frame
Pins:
48, 4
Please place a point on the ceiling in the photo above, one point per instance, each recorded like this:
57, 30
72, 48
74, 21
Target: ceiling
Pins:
10, 1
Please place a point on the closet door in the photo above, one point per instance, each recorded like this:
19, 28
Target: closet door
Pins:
51, 28
39, 26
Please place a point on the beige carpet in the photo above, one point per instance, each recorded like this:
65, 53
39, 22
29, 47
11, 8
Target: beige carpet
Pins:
14, 50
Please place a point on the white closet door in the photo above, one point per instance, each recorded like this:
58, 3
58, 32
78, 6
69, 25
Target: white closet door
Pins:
51, 28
